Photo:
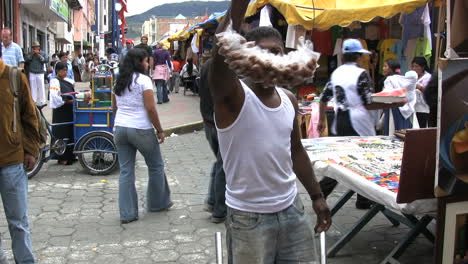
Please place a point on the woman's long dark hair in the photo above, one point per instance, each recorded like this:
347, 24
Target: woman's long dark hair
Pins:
394, 65
133, 62
190, 66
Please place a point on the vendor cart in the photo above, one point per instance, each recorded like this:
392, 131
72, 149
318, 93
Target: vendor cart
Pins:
94, 123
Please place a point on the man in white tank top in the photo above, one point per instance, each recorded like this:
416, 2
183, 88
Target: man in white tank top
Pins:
262, 153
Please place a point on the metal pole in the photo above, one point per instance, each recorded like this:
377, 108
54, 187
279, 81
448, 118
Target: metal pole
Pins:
323, 249
219, 248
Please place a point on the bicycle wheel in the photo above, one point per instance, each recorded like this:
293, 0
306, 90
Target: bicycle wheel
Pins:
97, 153
37, 166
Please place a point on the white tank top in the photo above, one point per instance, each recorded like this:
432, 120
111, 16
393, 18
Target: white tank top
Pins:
256, 152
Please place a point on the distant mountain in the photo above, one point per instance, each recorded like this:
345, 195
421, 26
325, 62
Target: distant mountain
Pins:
188, 9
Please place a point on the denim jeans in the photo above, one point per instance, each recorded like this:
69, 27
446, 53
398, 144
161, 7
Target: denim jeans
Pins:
217, 187
14, 191
128, 141
161, 91
175, 82
282, 237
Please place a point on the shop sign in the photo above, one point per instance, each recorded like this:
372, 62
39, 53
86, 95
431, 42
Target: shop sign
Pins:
60, 7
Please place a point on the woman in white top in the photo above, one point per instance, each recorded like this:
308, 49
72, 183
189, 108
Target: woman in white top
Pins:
62, 109
134, 129
419, 65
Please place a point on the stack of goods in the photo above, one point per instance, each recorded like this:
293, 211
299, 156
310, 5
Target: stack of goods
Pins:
248, 60
390, 97
83, 98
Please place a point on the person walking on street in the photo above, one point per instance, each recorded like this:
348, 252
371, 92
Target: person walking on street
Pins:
215, 203
128, 46
64, 58
11, 52
262, 157
144, 46
19, 145
35, 66
175, 77
351, 87
136, 120
161, 72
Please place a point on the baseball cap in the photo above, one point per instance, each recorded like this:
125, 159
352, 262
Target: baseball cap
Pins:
354, 46
129, 41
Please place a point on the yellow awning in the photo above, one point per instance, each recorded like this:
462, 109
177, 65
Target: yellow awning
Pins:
180, 35
335, 12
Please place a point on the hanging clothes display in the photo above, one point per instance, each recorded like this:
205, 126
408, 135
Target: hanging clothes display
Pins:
293, 35
336, 32
423, 49
386, 53
413, 26
409, 51
399, 51
321, 40
338, 51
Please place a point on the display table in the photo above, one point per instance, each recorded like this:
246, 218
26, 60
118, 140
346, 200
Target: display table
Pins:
370, 166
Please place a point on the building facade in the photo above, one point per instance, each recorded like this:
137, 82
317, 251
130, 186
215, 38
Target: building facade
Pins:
158, 28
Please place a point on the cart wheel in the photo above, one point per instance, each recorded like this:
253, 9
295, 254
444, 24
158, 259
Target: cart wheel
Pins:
100, 157
37, 166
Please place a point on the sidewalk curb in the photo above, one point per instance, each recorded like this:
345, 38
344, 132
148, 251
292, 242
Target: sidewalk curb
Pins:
184, 129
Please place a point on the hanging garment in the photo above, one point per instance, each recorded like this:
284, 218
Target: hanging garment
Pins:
322, 43
399, 51
293, 35
265, 17
423, 49
338, 51
409, 51
386, 52
413, 26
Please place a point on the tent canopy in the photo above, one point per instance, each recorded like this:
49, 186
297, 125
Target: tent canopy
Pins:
328, 13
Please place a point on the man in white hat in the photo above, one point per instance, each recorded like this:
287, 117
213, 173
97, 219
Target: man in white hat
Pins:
351, 87
35, 65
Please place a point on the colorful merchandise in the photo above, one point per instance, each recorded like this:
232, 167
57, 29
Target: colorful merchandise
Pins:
377, 159
423, 49
385, 48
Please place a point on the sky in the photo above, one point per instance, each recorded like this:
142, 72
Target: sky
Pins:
137, 6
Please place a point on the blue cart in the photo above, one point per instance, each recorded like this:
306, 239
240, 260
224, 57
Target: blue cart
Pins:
93, 125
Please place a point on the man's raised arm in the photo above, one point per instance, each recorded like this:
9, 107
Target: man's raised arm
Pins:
225, 87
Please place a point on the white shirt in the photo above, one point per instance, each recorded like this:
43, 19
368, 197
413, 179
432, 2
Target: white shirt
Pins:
131, 108
256, 152
421, 105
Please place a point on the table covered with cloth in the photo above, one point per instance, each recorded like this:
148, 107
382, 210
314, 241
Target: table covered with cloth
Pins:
369, 166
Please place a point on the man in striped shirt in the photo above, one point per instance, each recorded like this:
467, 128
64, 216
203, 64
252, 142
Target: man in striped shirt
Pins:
11, 52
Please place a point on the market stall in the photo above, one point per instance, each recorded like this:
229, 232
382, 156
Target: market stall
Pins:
371, 167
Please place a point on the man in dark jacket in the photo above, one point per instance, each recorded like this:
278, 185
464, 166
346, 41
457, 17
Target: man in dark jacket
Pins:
35, 66
19, 145
215, 203
144, 45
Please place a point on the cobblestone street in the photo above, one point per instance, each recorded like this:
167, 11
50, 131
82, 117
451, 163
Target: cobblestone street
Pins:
74, 217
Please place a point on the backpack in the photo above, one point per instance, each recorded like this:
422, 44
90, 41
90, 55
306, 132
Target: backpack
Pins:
15, 83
